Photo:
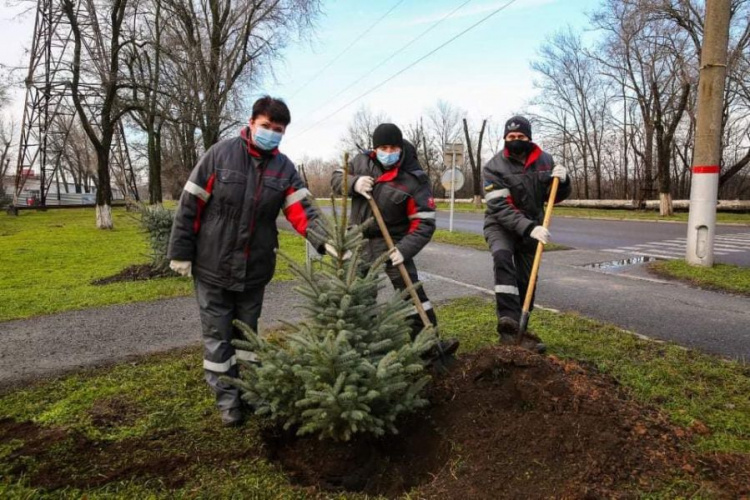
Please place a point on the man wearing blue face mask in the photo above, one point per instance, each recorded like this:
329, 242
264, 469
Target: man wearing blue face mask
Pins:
224, 234
516, 184
391, 174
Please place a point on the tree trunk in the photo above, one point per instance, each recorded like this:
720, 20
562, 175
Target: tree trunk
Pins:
103, 191
154, 163
647, 193
104, 217
665, 205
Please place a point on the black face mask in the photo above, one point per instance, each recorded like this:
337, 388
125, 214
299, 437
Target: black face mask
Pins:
518, 147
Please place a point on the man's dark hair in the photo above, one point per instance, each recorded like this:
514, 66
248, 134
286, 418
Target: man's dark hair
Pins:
275, 109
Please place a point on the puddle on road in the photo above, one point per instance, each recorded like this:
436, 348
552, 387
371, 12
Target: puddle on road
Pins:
615, 265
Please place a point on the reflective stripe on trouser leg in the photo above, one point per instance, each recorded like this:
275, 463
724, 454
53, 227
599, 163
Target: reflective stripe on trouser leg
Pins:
219, 358
398, 283
507, 294
248, 305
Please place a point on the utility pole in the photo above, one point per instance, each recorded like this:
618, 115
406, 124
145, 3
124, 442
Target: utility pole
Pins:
707, 155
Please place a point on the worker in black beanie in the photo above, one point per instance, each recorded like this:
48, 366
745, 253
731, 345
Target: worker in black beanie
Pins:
516, 185
391, 174
387, 134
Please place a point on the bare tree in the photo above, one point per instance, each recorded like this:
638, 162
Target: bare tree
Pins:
427, 153
220, 47
574, 101
7, 137
358, 134
445, 125
144, 61
101, 118
475, 162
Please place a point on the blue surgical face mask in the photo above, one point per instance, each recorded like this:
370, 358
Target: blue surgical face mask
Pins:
388, 159
267, 140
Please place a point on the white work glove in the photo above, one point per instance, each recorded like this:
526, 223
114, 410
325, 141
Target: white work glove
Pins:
560, 172
363, 185
181, 267
331, 250
397, 258
540, 233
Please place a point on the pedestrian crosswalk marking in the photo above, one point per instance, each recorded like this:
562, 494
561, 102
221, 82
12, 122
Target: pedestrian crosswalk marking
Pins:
725, 244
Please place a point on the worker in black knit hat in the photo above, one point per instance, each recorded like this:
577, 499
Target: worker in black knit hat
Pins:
516, 184
392, 175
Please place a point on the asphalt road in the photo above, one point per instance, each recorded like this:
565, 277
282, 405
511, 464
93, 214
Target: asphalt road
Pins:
660, 239
629, 297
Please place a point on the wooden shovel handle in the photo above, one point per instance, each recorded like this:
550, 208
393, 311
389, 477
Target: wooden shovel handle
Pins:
401, 268
540, 246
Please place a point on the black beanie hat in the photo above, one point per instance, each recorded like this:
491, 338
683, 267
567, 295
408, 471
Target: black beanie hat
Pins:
387, 134
518, 124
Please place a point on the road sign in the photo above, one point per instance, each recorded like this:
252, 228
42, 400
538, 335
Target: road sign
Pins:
452, 179
454, 151
453, 154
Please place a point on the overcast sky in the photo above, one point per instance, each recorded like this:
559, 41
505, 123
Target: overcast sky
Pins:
486, 71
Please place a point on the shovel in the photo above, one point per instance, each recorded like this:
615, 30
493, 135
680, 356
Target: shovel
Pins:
405, 275
537, 261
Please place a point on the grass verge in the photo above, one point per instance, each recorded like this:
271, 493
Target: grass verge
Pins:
476, 241
720, 277
50, 258
149, 428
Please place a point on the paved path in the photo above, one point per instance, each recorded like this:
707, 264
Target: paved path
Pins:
59, 343
627, 297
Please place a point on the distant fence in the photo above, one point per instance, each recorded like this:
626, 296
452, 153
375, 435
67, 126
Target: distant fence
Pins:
64, 200
722, 206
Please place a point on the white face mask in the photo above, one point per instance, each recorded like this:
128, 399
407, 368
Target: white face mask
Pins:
388, 159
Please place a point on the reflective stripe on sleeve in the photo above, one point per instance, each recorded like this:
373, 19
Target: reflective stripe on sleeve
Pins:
499, 193
509, 289
296, 196
198, 191
423, 215
219, 367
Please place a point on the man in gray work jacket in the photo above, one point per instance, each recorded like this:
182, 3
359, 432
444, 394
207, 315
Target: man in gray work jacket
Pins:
392, 176
224, 234
516, 184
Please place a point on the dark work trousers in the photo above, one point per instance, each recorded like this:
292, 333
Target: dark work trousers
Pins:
513, 257
376, 247
218, 308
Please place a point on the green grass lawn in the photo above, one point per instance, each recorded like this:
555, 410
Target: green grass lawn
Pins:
722, 277
50, 258
160, 405
592, 213
472, 240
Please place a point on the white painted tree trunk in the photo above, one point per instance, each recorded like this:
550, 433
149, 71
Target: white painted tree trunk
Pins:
104, 217
477, 201
665, 205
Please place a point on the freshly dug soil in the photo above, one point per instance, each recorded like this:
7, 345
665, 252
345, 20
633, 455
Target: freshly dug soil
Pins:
55, 458
504, 423
139, 272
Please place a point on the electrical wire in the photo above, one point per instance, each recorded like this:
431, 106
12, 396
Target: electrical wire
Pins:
348, 47
403, 70
391, 56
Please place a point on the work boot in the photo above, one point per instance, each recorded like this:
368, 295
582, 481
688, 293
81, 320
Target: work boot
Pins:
507, 329
233, 417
